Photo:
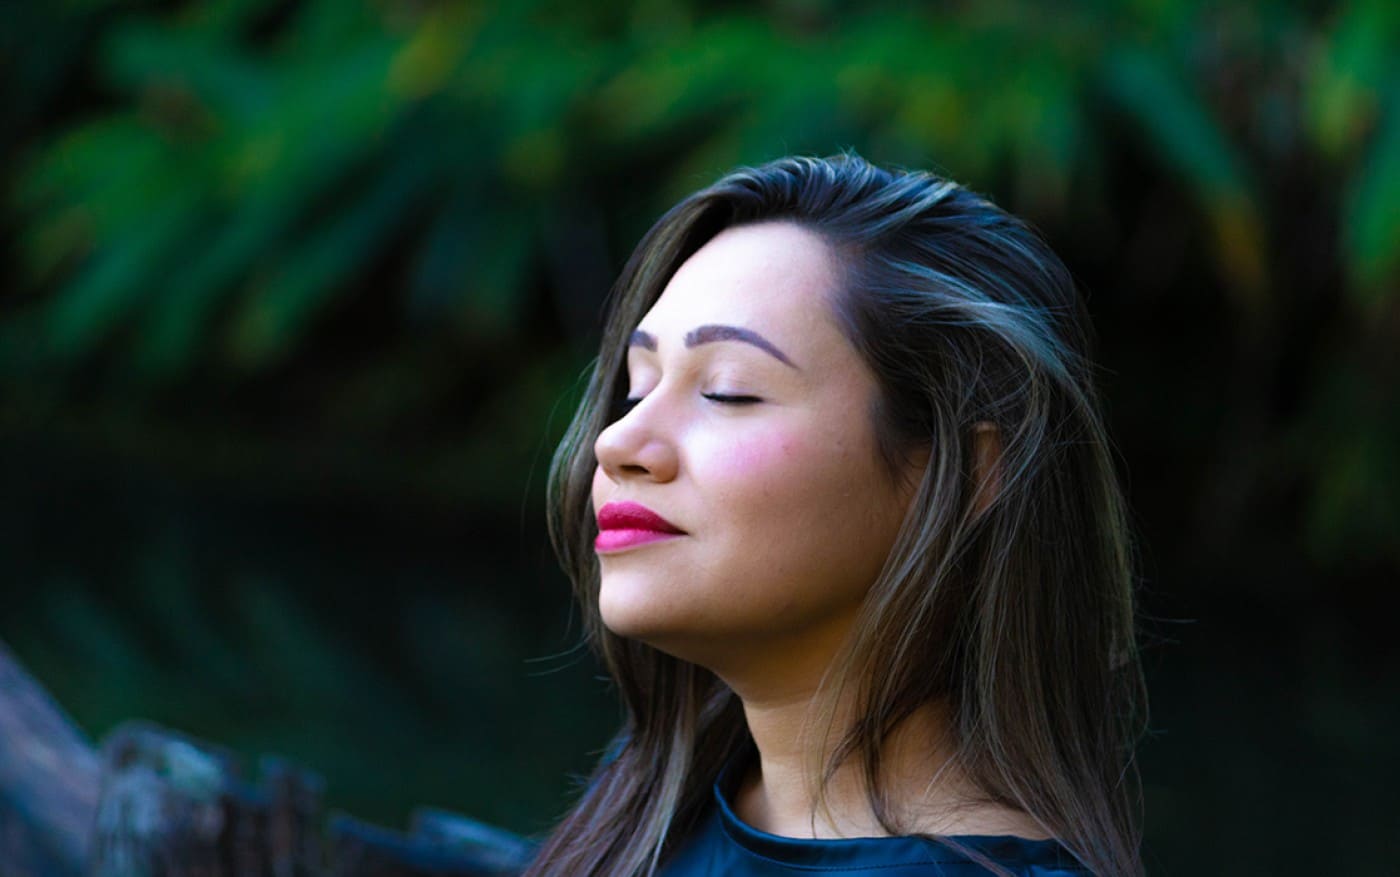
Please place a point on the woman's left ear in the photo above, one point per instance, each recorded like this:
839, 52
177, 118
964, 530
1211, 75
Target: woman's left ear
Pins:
986, 458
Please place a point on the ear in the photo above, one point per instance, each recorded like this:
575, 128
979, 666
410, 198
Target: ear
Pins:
986, 459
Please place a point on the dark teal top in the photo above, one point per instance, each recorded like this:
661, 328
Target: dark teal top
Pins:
723, 845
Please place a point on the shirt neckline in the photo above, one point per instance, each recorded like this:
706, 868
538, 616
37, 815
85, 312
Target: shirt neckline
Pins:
1008, 850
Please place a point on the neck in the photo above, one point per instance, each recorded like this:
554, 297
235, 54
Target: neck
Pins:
919, 775
778, 794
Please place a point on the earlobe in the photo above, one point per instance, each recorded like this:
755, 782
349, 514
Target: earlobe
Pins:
986, 456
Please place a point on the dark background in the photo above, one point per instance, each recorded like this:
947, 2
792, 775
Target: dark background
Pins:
298, 297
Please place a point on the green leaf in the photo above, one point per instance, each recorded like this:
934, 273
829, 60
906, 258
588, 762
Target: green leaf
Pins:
118, 279
1371, 215
1345, 84
1178, 126
474, 265
310, 274
198, 81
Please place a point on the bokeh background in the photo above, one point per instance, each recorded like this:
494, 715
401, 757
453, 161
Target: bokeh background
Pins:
297, 297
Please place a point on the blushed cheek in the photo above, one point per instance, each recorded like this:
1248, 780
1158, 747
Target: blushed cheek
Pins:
764, 457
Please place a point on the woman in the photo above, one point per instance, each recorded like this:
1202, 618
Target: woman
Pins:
842, 515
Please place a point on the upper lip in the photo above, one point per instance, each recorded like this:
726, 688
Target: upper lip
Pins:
633, 516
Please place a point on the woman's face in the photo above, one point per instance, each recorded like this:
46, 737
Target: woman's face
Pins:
753, 437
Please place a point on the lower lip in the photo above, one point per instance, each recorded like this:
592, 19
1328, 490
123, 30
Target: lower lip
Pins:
617, 540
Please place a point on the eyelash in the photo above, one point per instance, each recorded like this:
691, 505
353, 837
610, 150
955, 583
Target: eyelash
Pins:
627, 405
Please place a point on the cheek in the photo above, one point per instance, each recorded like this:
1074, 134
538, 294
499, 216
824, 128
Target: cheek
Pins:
816, 457
806, 489
766, 465
767, 453
788, 491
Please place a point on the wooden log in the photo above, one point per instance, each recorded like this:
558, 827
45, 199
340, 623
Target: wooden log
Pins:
494, 851
294, 818
49, 778
471, 849
173, 806
157, 803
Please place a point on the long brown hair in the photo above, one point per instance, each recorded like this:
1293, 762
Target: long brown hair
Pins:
1016, 613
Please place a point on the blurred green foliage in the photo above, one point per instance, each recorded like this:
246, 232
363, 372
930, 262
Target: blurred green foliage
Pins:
236, 173
361, 248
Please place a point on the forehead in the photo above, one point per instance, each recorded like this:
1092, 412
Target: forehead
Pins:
775, 277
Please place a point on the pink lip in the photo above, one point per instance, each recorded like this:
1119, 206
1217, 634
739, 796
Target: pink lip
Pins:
628, 524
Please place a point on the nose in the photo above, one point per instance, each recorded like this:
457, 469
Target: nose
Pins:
638, 445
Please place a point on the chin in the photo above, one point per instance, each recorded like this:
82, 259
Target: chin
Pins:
625, 615
630, 614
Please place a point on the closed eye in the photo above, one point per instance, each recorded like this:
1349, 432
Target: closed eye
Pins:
732, 400
626, 405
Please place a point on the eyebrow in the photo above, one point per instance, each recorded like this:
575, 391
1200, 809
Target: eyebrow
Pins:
713, 332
